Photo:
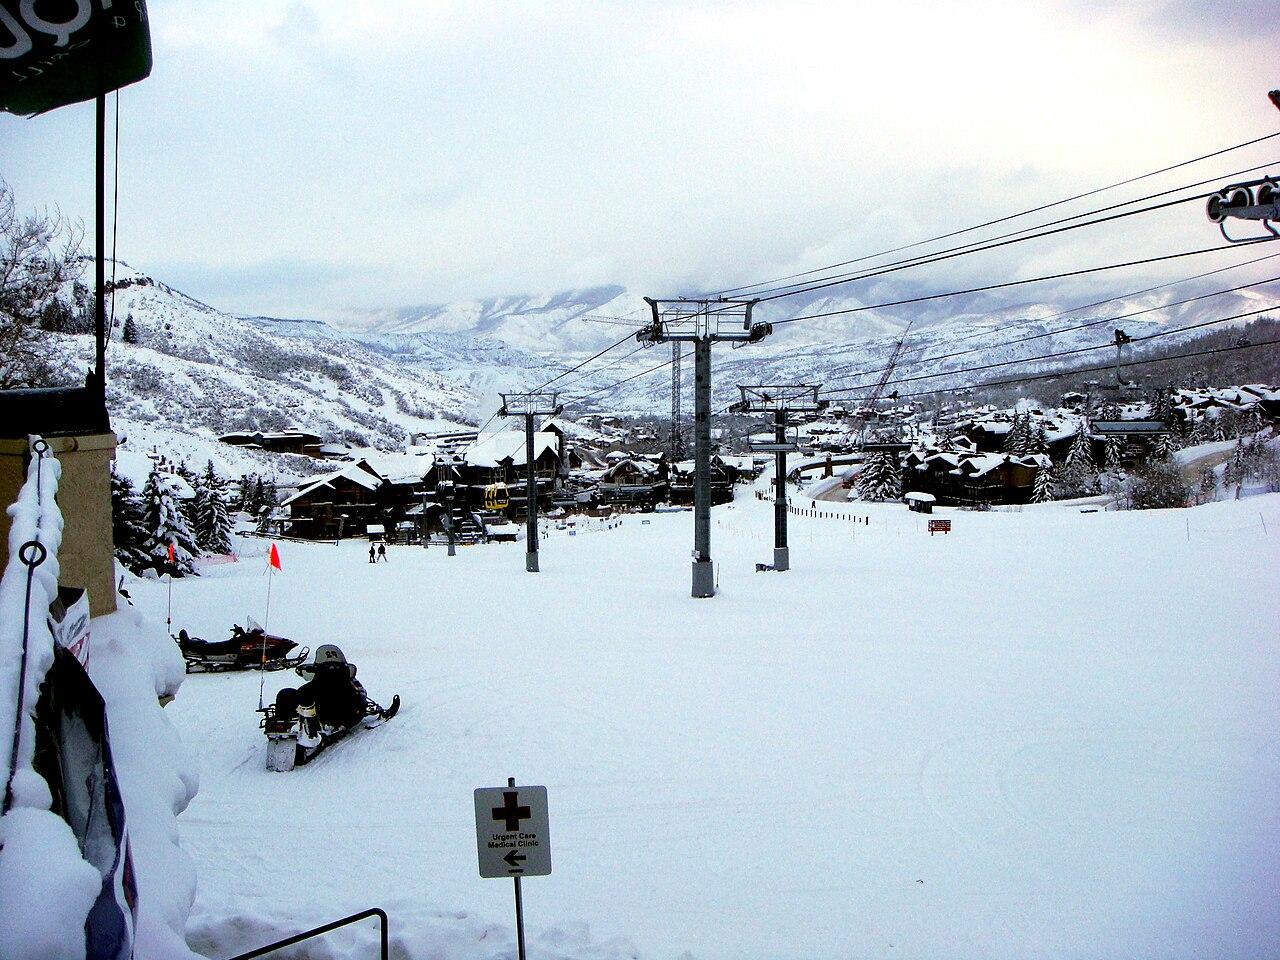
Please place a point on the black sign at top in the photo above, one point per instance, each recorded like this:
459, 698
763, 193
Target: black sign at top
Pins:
56, 52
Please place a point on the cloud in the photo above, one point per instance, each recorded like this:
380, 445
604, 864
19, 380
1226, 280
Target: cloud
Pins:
324, 156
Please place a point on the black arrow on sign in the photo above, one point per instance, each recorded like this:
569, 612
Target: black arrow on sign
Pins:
514, 859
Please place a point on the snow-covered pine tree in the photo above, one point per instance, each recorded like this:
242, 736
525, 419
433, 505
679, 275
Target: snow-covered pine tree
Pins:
1110, 410
130, 332
128, 525
881, 477
1113, 451
1042, 489
1018, 439
166, 525
1162, 447
244, 493
258, 497
1254, 420
213, 525
1162, 406
1039, 442
1079, 474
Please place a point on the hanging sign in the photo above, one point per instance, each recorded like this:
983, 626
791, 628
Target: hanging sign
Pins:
54, 54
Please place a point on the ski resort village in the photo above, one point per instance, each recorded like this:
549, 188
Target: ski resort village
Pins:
695, 480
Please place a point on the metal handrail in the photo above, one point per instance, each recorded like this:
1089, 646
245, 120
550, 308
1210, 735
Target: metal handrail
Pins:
320, 931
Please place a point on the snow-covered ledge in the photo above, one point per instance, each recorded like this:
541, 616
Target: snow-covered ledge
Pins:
46, 886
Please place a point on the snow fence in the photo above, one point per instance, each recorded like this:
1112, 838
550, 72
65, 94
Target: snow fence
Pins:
140, 892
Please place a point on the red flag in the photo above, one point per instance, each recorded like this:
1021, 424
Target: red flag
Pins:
171, 557
273, 558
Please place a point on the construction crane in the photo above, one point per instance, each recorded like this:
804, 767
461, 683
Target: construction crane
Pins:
868, 408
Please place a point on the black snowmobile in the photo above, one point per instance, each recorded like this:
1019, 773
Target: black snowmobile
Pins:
245, 650
329, 707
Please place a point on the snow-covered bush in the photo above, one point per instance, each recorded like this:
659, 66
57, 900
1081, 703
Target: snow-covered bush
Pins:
1157, 486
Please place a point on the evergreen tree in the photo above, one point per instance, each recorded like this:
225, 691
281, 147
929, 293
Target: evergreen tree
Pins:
1237, 468
881, 478
1042, 489
1162, 406
128, 525
166, 525
1113, 451
192, 505
1018, 440
213, 525
244, 493
1162, 447
1110, 410
1039, 442
1079, 474
1255, 422
258, 497
130, 332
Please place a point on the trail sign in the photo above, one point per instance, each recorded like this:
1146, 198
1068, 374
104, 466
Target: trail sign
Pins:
513, 838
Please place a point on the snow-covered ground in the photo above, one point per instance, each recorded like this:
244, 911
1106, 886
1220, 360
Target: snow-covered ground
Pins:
1044, 734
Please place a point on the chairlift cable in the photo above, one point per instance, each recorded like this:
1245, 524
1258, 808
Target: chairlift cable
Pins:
1005, 219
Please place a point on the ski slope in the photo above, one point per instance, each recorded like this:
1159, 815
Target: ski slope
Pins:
1045, 734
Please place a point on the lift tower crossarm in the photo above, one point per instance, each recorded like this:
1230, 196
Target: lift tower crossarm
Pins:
530, 405
702, 323
780, 399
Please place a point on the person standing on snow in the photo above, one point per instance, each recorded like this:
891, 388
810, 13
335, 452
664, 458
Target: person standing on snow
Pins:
382, 551
372, 558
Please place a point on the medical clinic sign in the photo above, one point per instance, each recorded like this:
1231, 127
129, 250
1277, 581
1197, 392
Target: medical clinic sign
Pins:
56, 52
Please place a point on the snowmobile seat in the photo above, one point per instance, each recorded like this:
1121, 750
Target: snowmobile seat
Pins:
209, 648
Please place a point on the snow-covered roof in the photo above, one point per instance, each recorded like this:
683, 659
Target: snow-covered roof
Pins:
352, 471
502, 445
401, 467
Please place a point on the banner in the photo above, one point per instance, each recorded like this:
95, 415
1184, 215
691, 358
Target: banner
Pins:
53, 54
69, 621
73, 754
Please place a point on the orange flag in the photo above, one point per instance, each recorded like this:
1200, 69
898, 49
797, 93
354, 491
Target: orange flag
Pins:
273, 558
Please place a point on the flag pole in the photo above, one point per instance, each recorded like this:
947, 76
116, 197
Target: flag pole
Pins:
168, 622
273, 563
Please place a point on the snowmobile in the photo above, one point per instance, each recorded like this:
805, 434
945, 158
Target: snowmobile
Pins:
302, 723
249, 649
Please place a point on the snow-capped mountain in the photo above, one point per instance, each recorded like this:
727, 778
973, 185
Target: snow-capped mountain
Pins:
202, 371
181, 372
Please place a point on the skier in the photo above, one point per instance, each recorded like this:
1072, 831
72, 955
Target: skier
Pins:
333, 699
372, 557
382, 551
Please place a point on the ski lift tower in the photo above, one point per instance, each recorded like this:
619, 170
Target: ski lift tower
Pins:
702, 323
780, 399
530, 405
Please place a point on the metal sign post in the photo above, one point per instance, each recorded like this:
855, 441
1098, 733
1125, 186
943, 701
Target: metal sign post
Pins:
513, 838
702, 323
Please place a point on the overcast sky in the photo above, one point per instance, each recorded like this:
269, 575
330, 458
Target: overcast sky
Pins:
304, 158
